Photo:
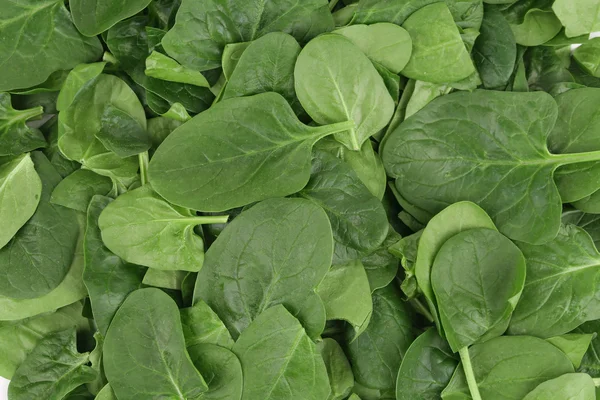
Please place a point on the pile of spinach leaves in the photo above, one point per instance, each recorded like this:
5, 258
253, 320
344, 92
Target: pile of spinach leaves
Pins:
300, 200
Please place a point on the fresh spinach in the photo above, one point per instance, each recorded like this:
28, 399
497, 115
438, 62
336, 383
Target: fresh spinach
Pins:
580, 386
16, 137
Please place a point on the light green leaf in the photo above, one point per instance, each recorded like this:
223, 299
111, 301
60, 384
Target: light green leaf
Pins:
162, 67
16, 137
574, 345
222, 370
533, 23
76, 190
201, 325
568, 386
588, 57
339, 371
579, 17
164, 279
93, 17
77, 78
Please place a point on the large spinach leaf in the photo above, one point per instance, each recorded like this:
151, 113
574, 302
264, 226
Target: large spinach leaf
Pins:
92, 17
578, 16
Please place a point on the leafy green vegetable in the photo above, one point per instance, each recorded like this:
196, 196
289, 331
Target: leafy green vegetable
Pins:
15, 136
160, 66
580, 386
588, 57
574, 345
76, 190
221, 369
532, 21
339, 371
578, 16
201, 325
92, 17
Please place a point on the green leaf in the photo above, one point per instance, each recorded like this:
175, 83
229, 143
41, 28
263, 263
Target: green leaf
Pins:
423, 94
76, 190
376, 355
162, 67
431, 29
52, 231
477, 277
104, 269
32, 28
358, 219
574, 345
202, 30
164, 279
19, 338
77, 78
92, 17
161, 347
122, 133
52, 370
16, 137
588, 57
589, 222
106, 394
495, 50
222, 370
532, 21
266, 65
277, 343
346, 293
325, 79
387, 44
568, 386
273, 253
579, 17
20, 190
426, 368
142, 228
559, 293
509, 367
339, 371
381, 266
201, 325
248, 140
590, 364
53, 84
159, 128
232, 53
547, 67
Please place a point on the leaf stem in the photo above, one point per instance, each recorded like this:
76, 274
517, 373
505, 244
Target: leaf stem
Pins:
575, 158
207, 219
469, 374
332, 4
422, 309
326, 130
144, 160
26, 115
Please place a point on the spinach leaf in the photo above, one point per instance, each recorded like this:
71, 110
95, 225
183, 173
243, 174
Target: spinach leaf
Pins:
77, 78
588, 57
276, 252
104, 269
454, 64
202, 30
257, 137
113, 123
381, 266
339, 371
222, 370
532, 21
52, 231
201, 325
20, 190
325, 79
426, 368
590, 364
276, 341
142, 228
164, 279
580, 386
589, 222
157, 344
477, 277
522, 361
346, 294
52, 369
574, 345
505, 138
30, 29
92, 17
358, 219
423, 94
559, 293
76, 190
377, 353
162, 67
106, 394
384, 43
15, 136
578, 16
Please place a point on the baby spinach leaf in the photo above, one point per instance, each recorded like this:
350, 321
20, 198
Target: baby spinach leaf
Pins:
426, 368
589, 222
568, 386
358, 219
122, 133
106, 394
559, 293
261, 147
164, 279
51, 231
339, 371
509, 367
20, 190
381, 266
346, 294
142, 228
162, 67
92, 17
266, 65
325, 79
376, 355
159, 128
202, 30
588, 57
128, 42
590, 364
277, 343
19, 338
506, 138
77, 78
579, 17
273, 253
15, 136
157, 344
449, 222
532, 21
574, 345
201, 325
76, 190
495, 50
427, 62
104, 270
423, 94
387, 44
43, 30
232, 53
52, 369
221, 369
477, 277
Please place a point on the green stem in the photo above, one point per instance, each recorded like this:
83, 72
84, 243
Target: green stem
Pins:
109, 58
144, 160
326, 130
468, 368
207, 219
596, 381
420, 307
26, 115
332, 4
575, 158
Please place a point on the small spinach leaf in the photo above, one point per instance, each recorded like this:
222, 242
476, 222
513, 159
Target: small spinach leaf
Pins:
201, 325
339, 371
162, 67
76, 190
16, 137
221, 369
568, 386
